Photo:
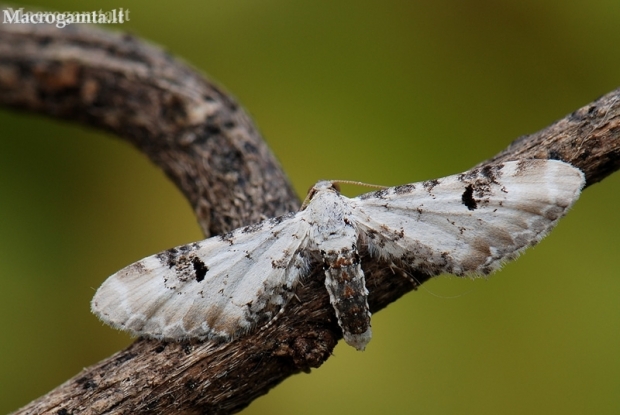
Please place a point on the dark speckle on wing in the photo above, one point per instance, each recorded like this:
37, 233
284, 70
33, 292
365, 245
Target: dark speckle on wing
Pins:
479, 184
280, 219
200, 268
404, 189
468, 198
253, 228
490, 173
430, 184
228, 237
169, 257
379, 194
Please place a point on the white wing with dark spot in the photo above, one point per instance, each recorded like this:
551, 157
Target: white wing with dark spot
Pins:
468, 223
224, 286
217, 288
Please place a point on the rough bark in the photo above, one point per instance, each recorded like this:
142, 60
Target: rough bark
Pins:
210, 149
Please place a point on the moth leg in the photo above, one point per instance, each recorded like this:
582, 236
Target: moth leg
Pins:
345, 283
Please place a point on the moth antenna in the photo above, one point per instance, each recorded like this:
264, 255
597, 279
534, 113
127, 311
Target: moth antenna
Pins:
307, 199
335, 183
355, 183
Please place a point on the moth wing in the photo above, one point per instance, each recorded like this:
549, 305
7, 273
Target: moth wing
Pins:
217, 288
468, 223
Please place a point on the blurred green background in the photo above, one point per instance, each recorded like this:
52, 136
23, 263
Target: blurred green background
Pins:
385, 92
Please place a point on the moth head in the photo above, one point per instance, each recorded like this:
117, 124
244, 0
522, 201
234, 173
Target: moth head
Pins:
322, 186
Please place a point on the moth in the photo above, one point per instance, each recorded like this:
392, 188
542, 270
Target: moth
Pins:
225, 286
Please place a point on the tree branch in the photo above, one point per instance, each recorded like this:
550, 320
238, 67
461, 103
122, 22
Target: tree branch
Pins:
210, 149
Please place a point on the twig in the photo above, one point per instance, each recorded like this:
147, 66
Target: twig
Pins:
210, 149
